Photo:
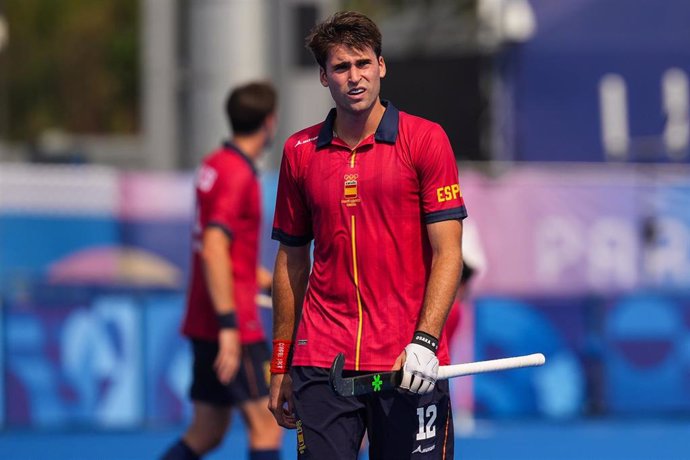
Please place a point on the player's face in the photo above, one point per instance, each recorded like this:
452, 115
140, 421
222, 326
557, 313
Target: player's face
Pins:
353, 78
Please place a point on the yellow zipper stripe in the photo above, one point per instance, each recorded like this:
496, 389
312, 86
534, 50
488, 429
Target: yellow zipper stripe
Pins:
352, 159
359, 297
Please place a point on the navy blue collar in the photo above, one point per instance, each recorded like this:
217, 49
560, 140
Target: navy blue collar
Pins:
227, 145
387, 131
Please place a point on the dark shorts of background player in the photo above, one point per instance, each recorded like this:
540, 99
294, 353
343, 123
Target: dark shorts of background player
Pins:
252, 377
400, 425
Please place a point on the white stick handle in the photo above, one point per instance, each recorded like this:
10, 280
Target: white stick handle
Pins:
479, 367
263, 300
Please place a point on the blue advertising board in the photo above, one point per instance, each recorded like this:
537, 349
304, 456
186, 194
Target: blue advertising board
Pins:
559, 78
73, 363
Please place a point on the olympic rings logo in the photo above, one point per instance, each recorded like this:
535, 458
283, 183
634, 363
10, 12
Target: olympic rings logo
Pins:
351, 176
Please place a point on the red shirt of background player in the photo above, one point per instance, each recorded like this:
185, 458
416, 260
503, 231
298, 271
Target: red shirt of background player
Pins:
227, 196
372, 257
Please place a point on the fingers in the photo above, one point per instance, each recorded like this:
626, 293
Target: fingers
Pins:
284, 416
399, 362
424, 386
289, 420
280, 401
290, 403
227, 361
406, 381
226, 366
419, 370
432, 385
429, 378
417, 384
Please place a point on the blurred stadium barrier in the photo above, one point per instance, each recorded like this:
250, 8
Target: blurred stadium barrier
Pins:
589, 265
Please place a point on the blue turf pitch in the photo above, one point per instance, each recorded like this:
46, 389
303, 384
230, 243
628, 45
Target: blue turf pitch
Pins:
528, 440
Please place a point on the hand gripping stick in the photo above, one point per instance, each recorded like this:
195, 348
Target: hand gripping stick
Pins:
386, 381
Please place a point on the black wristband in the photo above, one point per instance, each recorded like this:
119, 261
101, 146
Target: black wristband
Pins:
425, 340
227, 320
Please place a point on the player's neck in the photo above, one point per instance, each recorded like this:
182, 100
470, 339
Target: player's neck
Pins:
353, 128
251, 145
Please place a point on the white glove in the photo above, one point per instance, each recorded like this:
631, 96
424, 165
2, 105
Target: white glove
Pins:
420, 369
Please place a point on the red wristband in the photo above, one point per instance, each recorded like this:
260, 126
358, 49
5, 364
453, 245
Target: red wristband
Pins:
281, 351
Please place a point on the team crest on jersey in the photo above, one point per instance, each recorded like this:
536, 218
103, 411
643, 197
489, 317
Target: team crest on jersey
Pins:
350, 190
205, 178
351, 185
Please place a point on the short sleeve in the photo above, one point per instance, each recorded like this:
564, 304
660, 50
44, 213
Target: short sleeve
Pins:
292, 219
438, 177
225, 196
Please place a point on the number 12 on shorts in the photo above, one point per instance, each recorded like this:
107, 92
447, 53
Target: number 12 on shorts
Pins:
427, 418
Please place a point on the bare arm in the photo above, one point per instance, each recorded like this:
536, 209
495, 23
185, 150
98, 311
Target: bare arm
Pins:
218, 269
444, 280
446, 266
218, 276
290, 278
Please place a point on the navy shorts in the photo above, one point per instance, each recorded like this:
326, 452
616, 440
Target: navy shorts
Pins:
250, 383
400, 425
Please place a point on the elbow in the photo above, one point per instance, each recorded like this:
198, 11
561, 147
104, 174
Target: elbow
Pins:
450, 259
452, 255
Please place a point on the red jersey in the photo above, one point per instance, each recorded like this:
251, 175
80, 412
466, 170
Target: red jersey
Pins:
228, 197
367, 211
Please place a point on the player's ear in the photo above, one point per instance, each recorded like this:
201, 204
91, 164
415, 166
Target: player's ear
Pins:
382, 67
322, 77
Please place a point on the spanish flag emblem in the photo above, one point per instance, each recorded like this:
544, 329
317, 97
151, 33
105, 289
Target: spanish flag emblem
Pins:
351, 189
351, 185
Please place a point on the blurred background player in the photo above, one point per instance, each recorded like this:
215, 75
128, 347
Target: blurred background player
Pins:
473, 265
377, 189
459, 330
222, 320
455, 314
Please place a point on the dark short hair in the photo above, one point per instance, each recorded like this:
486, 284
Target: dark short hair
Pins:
248, 105
348, 28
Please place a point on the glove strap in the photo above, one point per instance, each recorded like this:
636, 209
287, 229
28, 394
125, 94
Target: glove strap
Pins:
425, 340
281, 352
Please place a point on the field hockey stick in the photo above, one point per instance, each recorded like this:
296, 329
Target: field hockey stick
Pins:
386, 381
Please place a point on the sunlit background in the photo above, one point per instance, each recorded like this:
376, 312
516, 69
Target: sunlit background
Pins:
570, 123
